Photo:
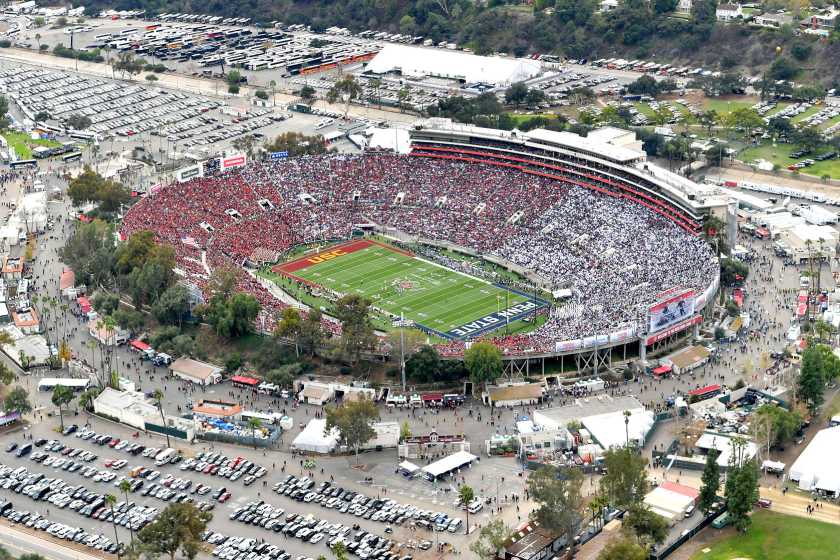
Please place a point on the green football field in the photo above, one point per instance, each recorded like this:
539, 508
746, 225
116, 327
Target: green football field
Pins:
442, 301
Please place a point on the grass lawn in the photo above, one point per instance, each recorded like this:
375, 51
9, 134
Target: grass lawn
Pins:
398, 282
680, 16
723, 107
19, 143
773, 536
644, 109
783, 158
522, 118
832, 408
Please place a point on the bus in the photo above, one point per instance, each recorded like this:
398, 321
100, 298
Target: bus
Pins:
5, 156
264, 418
23, 163
82, 135
706, 392
128, 31
103, 37
152, 27
71, 157
45, 128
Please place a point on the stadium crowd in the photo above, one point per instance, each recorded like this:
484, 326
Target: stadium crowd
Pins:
614, 253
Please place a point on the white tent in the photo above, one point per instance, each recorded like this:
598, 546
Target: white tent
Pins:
395, 139
724, 446
816, 467
419, 62
312, 437
449, 463
408, 466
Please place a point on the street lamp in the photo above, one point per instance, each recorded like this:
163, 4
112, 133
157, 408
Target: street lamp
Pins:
402, 323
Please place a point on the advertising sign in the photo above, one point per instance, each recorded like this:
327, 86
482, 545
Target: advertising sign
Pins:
673, 330
674, 309
278, 155
189, 173
564, 345
433, 437
156, 188
233, 162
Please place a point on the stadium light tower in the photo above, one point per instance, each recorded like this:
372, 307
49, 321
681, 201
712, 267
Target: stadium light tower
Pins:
402, 323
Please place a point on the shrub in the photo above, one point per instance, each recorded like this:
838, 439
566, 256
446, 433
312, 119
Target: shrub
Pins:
345, 370
233, 362
233, 89
719, 332
5, 43
391, 373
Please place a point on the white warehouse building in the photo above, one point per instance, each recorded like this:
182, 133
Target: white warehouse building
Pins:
417, 62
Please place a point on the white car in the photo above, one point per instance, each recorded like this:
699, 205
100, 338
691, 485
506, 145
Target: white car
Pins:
100, 475
154, 476
317, 538
49, 461
121, 445
119, 464
119, 480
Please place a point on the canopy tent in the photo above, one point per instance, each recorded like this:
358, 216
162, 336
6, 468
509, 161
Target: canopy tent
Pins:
449, 463
818, 461
245, 380
83, 301
312, 437
661, 370
142, 346
55, 381
408, 466
773, 466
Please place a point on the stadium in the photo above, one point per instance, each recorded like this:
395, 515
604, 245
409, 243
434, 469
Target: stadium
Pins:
472, 231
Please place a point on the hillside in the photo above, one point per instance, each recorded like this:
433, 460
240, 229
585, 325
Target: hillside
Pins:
635, 29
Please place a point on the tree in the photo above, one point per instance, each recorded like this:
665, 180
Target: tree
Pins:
484, 362
811, 380
110, 500
710, 483
151, 78
233, 79
261, 95
311, 331
407, 25
307, 92
465, 498
645, 85
647, 526
178, 527
491, 539
424, 365
78, 122
38, 38
171, 306
515, 94
559, 495
235, 317
732, 271
626, 477
353, 422
61, 396
782, 69
284, 375
347, 90
60, 22
158, 396
357, 329
623, 549
39, 22
254, 424
127, 64
18, 401
339, 550
405, 431
106, 303
290, 327
741, 485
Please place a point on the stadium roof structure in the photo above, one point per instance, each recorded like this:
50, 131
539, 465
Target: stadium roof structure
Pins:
595, 147
414, 61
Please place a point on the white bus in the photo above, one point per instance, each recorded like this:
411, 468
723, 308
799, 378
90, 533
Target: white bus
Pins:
103, 37
128, 31
264, 418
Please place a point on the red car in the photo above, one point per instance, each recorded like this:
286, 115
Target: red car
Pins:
114, 443
224, 497
195, 489
99, 512
235, 461
110, 462
67, 451
209, 468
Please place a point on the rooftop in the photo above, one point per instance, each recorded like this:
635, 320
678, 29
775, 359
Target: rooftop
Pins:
217, 408
593, 406
13, 264
25, 318
127, 400
596, 147
688, 357
516, 392
194, 368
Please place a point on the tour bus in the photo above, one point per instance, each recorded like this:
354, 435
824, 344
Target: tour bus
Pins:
103, 37
82, 135
13, 32
23, 163
128, 31
71, 157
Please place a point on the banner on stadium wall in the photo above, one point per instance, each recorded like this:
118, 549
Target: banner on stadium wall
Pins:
564, 345
155, 188
189, 173
589, 341
603, 338
674, 309
700, 301
623, 334
673, 330
235, 161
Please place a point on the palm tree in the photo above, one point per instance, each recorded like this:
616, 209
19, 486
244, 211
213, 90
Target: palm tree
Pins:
339, 549
273, 85
110, 500
64, 308
125, 488
38, 38
626, 414
157, 395
93, 345
254, 424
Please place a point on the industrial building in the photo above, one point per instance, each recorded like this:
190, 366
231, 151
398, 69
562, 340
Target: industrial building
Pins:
128, 407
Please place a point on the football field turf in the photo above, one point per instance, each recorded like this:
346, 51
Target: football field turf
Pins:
445, 302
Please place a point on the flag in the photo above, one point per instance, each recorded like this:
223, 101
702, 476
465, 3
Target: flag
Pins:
711, 232
738, 277
187, 240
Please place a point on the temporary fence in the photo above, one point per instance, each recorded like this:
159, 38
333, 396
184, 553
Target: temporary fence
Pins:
665, 552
